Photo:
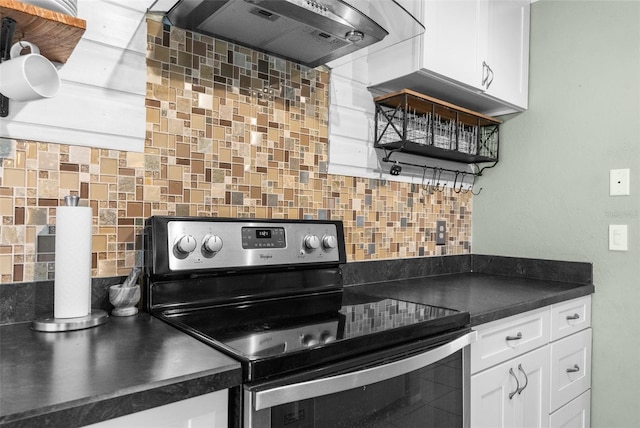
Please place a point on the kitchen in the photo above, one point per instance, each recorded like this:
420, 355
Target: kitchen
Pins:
554, 210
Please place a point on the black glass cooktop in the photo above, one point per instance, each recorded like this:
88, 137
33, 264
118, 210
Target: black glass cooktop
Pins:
285, 334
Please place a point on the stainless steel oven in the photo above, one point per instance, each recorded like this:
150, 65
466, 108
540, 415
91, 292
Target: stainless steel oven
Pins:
314, 353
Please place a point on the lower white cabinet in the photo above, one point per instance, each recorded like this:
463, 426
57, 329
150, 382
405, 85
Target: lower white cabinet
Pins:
534, 369
575, 414
204, 411
512, 394
570, 368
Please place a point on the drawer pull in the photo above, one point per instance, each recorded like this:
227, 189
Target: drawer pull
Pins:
575, 368
526, 379
573, 317
516, 337
511, 394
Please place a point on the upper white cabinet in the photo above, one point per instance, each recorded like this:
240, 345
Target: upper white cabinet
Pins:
507, 51
474, 53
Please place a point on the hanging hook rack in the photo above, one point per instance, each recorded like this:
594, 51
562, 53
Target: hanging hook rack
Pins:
434, 183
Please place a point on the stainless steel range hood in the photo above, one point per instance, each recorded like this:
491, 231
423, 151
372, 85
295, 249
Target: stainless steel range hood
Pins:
310, 32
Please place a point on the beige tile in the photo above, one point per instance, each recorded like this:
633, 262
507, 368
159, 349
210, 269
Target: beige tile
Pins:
69, 180
12, 177
80, 155
6, 206
6, 264
135, 160
48, 160
12, 235
36, 215
152, 194
98, 191
108, 166
174, 172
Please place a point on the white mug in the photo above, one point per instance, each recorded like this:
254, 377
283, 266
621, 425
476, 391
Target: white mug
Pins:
28, 77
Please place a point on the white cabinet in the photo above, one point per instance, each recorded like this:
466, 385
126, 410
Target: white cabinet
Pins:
534, 369
576, 414
512, 394
502, 340
505, 62
474, 53
204, 411
570, 368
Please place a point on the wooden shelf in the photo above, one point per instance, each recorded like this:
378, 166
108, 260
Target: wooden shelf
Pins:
55, 34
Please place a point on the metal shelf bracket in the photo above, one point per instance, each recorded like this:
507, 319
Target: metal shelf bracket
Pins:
6, 38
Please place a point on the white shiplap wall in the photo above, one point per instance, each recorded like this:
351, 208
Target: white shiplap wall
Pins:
101, 102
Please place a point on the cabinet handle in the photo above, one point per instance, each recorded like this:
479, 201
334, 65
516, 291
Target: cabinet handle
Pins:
573, 317
487, 78
526, 379
575, 368
516, 337
511, 394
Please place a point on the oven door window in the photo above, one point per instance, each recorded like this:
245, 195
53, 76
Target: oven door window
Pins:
429, 397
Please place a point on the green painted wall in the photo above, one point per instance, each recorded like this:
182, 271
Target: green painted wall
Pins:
549, 195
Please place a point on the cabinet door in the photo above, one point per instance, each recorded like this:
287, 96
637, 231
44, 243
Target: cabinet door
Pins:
513, 394
490, 404
452, 39
507, 50
533, 371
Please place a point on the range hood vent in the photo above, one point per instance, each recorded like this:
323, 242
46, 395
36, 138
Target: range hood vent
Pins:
310, 32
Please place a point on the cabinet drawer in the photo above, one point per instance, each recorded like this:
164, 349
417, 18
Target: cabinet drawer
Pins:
570, 317
570, 368
504, 339
576, 414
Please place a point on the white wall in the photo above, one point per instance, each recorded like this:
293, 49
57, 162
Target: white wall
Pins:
101, 100
549, 195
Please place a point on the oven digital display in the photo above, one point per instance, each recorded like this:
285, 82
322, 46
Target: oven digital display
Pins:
263, 238
263, 233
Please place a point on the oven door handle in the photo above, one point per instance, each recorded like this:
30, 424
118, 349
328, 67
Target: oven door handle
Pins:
331, 385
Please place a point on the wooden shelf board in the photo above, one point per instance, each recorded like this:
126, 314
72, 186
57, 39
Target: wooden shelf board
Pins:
55, 34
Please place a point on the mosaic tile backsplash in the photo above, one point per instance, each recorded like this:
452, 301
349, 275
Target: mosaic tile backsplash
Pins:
231, 132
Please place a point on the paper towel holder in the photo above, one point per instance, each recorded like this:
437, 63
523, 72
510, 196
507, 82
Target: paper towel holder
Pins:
51, 324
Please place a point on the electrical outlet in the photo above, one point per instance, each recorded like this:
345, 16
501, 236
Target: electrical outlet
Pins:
441, 232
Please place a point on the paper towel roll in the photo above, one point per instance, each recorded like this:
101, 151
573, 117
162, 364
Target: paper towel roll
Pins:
72, 285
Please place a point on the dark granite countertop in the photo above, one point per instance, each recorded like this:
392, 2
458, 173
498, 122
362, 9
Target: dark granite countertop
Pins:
486, 297
127, 365
135, 363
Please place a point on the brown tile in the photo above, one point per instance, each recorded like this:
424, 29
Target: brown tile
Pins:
18, 217
69, 167
44, 202
135, 209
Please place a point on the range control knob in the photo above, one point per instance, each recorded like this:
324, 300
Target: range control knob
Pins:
327, 337
185, 244
329, 241
211, 244
309, 340
311, 242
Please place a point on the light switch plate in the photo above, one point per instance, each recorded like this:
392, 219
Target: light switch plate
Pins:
619, 182
618, 237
